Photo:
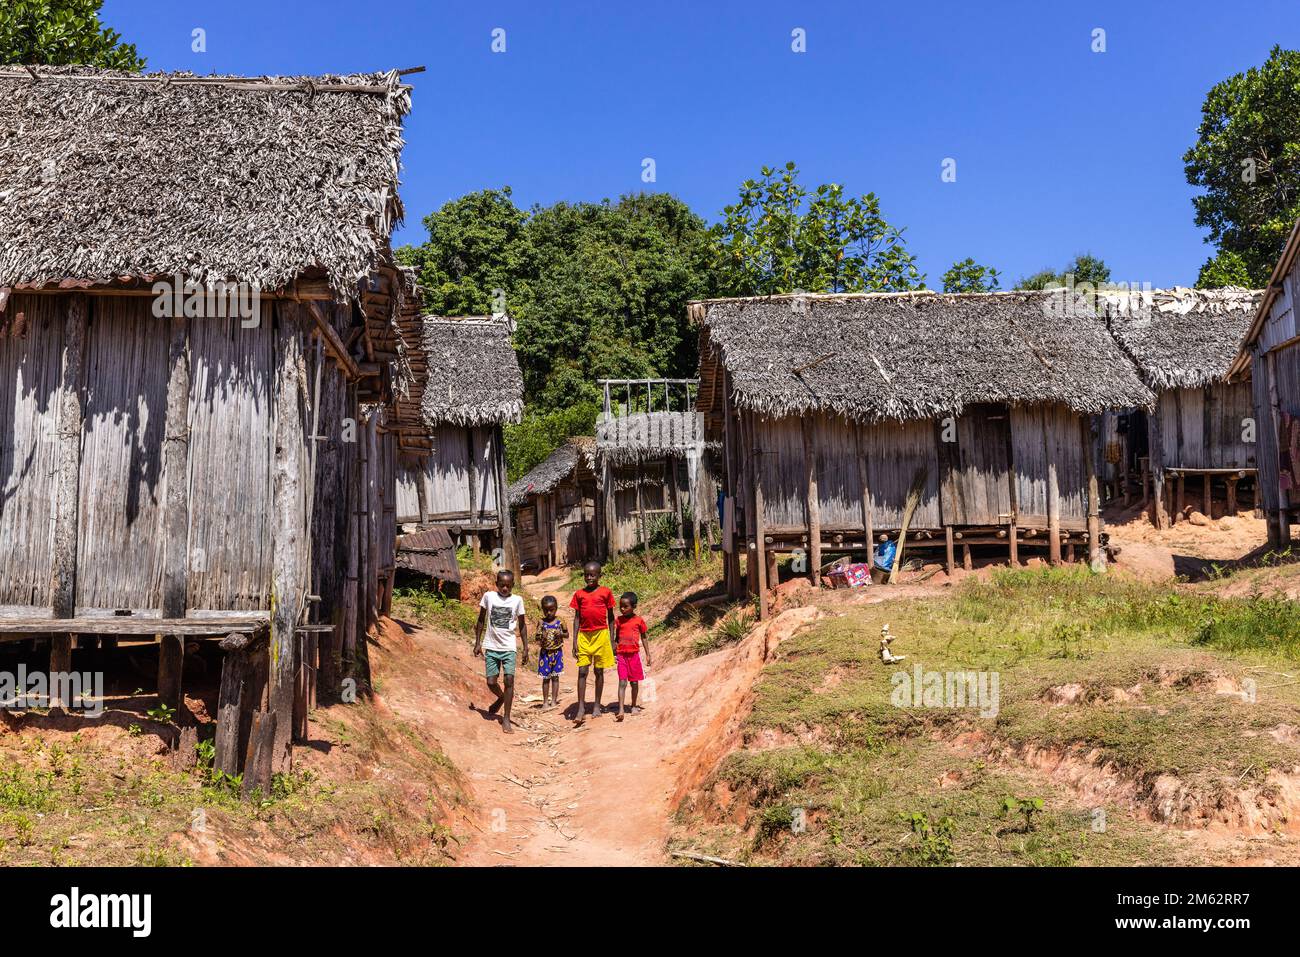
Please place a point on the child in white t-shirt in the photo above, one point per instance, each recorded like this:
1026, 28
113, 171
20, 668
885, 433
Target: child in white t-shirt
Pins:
499, 628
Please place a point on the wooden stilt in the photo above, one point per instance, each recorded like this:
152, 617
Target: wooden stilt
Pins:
966, 562
950, 563
1182, 504
60, 663
1013, 545
509, 549
259, 763
171, 657
234, 667
867, 531
1095, 557
1232, 495
757, 473
814, 506
1207, 504
68, 476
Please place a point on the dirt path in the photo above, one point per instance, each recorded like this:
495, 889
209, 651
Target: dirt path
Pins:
552, 794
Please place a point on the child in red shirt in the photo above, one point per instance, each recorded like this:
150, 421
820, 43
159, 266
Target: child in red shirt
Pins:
631, 636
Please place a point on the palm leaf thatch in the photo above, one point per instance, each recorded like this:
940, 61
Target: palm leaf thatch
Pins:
874, 357
1181, 338
474, 376
578, 450
108, 176
624, 439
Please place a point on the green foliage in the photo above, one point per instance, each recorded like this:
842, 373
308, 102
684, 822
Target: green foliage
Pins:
61, 32
1250, 124
472, 250
935, 847
1026, 806
1224, 268
779, 238
540, 433
970, 276
1085, 267
162, 712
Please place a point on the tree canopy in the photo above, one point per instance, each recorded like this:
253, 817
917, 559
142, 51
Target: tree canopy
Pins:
1247, 159
970, 276
61, 32
778, 237
1085, 267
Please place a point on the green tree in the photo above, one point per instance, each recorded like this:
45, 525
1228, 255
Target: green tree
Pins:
1247, 159
1224, 269
970, 276
61, 32
779, 238
472, 251
1085, 267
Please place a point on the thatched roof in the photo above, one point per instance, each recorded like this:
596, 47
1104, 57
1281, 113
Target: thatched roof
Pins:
874, 357
1181, 338
645, 435
559, 465
105, 176
474, 376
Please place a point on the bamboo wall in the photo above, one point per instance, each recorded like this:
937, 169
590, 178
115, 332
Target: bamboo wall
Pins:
665, 489
1275, 374
560, 529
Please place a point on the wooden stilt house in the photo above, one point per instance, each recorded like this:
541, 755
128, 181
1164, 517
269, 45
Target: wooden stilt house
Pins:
1270, 355
834, 408
473, 388
1183, 342
654, 466
554, 507
192, 380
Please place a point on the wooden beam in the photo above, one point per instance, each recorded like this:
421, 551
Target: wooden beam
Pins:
333, 343
68, 477
288, 526
756, 465
1096, 557
1156, 468
867, 531
60, 663
814, 505
471, 470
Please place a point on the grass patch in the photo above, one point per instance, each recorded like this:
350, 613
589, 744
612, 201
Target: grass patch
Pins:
423, 604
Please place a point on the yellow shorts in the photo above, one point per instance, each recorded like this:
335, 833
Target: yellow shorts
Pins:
594, 649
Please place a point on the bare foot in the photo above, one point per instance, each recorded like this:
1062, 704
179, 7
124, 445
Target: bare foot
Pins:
618, 716
495, 706
597, 710
506, 726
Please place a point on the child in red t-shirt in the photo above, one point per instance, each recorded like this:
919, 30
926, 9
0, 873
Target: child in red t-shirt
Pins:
631, 636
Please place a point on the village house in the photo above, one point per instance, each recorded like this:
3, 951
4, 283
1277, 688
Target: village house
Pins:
964, 417
1183, 342
457, 481
214, 473
555, 505
1270, 356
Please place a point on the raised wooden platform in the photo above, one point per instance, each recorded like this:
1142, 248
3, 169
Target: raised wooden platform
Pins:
244, 624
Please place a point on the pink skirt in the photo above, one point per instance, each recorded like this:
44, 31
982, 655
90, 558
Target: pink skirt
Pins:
629, 666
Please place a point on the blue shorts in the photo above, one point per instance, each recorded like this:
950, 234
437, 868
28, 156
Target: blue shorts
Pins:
550, 664
498, 662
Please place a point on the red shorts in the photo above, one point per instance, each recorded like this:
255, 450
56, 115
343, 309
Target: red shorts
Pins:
629, 666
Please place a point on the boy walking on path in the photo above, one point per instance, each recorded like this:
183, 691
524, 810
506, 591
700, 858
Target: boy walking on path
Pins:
632, 638
593, 623
501, 614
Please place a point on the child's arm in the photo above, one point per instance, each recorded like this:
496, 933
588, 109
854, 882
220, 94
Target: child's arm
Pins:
645, 642
575, 634
523, 632
478, 631
610, 631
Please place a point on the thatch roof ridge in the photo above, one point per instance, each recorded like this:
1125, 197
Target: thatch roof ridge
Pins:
544, 476
106, 176
1181, 338
876, 357
641, 435
474, 377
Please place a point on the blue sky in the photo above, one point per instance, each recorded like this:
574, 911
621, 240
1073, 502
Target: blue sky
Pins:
1059, 149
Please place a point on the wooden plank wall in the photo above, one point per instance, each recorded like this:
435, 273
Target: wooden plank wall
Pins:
1202, 428
979, 487
29, 380
622, 528
445, 474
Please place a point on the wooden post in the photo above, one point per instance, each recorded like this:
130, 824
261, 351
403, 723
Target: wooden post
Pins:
610, 516
60, 663
1281, 526
347, 613
640, 513
966, 562
814, 506
1095, 555
234, 665
1013, 497
1232, 494
68, 477
422, 495
510, 553
1156, 467
756, 466
475, 513
1207, 506
1182, 487
176, 517
867, 530
288, 529
259, 763
1053, 513
950, 559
